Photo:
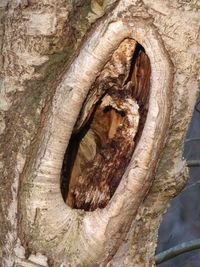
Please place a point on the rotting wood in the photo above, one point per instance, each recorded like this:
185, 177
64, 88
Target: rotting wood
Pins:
98, 181
94, 177
114, 74
21, 120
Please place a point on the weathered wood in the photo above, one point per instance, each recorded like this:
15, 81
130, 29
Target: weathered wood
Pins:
41, 96
100, 127
115, 73
90, 177
101, 176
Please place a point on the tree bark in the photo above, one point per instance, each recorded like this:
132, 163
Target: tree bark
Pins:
51, 55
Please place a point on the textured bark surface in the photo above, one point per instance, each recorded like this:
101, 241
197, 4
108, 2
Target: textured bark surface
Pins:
39, 40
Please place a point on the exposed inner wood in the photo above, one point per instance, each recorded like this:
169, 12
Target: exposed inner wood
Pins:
108, 128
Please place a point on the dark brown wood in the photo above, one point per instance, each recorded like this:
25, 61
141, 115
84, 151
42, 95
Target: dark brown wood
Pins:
101, 145
141, 85
101, 176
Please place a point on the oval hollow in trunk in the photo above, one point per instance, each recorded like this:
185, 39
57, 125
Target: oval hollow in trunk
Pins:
50, 226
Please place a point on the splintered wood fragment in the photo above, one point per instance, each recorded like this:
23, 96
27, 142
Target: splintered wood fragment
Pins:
140, 79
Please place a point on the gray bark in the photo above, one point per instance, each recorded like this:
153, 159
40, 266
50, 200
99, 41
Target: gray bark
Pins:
44, 81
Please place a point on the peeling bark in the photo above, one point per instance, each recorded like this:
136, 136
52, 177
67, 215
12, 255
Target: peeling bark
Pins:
47, 70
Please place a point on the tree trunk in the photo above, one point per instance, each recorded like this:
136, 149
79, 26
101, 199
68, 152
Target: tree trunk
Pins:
96, 98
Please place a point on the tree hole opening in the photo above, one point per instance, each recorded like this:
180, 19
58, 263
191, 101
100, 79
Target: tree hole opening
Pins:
108, 129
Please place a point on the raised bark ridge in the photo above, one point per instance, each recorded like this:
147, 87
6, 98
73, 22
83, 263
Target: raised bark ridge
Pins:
38, 38
74, 236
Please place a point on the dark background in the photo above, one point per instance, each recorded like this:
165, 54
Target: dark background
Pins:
181, 223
